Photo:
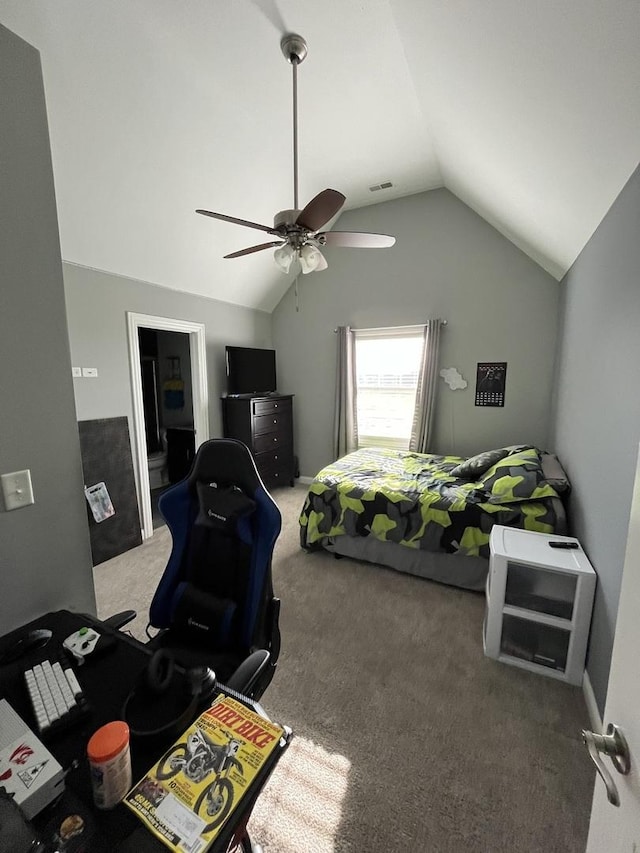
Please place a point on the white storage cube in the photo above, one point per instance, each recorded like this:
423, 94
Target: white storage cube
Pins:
539, 603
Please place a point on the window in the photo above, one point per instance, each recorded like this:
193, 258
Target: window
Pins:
387, 366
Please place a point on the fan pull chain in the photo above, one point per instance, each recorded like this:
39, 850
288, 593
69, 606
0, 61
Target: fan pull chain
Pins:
296, 293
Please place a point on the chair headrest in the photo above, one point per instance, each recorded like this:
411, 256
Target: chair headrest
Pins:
226, 462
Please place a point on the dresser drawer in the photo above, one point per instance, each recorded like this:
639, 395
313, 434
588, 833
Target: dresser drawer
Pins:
275, 422
276, 467
269, 407
271, 441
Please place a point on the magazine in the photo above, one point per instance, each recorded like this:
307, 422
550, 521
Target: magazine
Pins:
187, 797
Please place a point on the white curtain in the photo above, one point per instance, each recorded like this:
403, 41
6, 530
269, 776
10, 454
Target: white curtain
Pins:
426, 390
345, 421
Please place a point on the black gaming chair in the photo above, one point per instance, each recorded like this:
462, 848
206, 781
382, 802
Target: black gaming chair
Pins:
214, 605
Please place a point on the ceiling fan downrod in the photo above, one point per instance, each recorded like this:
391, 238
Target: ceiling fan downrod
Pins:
294, 48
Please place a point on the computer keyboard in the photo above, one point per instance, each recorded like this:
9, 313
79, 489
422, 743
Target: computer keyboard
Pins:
57, 700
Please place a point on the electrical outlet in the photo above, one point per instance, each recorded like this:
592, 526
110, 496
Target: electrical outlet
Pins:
16, 489
90, 372
76, 372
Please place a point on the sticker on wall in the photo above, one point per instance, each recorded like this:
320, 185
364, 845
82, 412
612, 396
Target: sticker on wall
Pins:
490, 383
453, 378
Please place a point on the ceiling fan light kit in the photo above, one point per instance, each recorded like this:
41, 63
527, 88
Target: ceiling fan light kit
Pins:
284, 257
311, 259
298, 232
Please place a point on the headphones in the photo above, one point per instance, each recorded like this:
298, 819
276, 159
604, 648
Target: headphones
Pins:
157, 680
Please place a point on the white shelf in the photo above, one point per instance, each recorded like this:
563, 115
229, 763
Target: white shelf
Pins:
537, 616
533, 667
525, 568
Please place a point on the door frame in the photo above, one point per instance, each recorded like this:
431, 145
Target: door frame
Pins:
620, 827
200, 397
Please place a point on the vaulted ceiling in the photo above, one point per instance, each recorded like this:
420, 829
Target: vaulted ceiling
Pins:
528, 111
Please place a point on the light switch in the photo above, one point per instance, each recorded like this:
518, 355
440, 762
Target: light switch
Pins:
76, 372
91, 372
16, 489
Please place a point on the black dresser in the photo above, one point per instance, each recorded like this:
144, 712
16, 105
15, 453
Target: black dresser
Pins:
265, 425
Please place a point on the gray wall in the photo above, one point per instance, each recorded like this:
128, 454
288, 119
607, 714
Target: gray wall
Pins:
449, 263
596, 426
97, 304
45, 558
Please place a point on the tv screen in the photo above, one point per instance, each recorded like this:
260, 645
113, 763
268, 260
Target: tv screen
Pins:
250, 370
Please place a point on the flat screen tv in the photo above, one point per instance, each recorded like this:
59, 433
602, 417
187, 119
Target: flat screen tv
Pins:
250, 370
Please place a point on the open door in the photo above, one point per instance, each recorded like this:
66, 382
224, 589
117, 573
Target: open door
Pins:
616, 829
200, 398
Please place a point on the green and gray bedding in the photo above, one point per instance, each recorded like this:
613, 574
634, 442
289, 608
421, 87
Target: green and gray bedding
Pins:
422, 501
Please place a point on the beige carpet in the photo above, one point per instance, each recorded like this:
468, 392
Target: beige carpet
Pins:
406, 737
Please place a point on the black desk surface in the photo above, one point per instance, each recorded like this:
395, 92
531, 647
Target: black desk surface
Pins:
107, 681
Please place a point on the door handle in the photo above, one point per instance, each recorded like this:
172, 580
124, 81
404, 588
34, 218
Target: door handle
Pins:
614, 744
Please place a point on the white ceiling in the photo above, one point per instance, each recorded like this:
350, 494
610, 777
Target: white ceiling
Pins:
527, 111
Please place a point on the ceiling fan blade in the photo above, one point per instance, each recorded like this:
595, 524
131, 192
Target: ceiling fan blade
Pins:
356, 239
235, 221
320, 209
252, 249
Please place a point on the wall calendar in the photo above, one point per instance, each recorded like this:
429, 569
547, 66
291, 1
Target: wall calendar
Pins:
490, 383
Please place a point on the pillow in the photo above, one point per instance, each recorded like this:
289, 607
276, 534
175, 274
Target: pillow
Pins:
517, 477
475, 466
554, 473
221, 508
517, 448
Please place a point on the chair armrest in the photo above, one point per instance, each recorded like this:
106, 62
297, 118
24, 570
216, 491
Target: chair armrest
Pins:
248, 674
119, 620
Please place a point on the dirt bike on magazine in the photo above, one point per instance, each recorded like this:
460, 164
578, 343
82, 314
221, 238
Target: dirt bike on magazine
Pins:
197, 758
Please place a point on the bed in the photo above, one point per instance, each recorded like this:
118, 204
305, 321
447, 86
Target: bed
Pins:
431, 515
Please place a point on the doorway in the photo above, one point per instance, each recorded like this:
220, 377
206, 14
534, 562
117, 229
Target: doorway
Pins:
170, 403
165, 362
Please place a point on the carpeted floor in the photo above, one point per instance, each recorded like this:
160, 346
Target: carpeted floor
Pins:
406, 737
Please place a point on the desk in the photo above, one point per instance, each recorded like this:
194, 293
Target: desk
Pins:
106, 681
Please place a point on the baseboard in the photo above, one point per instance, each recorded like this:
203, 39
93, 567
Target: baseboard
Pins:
306, 481
592, 706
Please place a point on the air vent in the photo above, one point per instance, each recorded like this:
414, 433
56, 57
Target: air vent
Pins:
384, 186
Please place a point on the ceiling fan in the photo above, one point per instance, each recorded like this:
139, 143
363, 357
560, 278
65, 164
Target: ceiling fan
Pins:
298, 232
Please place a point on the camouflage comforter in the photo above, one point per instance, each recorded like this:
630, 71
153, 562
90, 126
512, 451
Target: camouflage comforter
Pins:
412, 499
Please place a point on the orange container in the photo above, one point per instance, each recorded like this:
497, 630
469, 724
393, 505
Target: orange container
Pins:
110, 764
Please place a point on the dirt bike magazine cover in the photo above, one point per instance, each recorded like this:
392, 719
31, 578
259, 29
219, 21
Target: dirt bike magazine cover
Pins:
187, 797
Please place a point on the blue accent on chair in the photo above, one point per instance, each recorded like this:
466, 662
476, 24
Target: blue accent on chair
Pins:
179, 511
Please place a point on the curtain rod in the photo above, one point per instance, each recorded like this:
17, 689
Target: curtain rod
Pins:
382, 328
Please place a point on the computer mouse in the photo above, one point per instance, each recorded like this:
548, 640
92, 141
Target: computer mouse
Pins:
34, 639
